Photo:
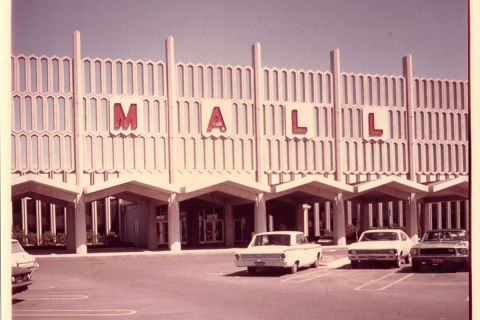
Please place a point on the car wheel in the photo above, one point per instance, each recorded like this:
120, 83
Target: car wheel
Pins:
251, 270
416, 265
354, 264
294, 268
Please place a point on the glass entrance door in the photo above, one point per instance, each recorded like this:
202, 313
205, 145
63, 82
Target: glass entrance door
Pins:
211, 231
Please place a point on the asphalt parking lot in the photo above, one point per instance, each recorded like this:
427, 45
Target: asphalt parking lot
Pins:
209, 286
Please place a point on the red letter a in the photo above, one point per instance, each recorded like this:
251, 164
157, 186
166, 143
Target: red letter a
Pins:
216, 120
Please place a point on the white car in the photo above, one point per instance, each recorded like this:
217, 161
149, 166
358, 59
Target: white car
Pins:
22, 259
279, 249
381, 245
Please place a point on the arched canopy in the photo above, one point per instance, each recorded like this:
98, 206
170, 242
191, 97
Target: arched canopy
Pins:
311, 189
387, 189
447, 190
42, 188
140, 189
229, 186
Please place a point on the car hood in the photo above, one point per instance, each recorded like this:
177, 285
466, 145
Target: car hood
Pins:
264, 249
374, 245
441, 244
23, 259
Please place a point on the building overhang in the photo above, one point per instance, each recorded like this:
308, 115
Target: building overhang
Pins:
388, 188
448, 190
313, 186
42, 188
141, 188
232, 186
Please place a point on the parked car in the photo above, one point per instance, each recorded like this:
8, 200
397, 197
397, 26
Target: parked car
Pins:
21, 279
279, 249
445, 246
20, 258
381, 245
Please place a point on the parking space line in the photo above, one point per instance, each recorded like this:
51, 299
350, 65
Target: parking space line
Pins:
362, 287
34, 287
397, 281
73, 313
55, 297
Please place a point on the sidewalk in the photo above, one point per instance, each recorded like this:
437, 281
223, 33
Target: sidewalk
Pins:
133, 251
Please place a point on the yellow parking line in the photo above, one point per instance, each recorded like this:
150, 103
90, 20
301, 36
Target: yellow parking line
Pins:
73, 313
56, 297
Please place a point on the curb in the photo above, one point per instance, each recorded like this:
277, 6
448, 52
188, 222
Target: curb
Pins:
155, 253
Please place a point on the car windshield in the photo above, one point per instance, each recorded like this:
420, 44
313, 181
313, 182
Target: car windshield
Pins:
272, 240
460, 235
379, 236
16, 247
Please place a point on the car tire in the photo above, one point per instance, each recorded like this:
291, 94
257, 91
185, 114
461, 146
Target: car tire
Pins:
416, 266
251, 270
354, 264
294, 268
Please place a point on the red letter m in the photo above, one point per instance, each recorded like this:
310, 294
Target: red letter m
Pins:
119, 119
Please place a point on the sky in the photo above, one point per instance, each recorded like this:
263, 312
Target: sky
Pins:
372, 35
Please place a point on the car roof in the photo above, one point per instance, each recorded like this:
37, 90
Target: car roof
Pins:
443, 230
280, 232
384, 230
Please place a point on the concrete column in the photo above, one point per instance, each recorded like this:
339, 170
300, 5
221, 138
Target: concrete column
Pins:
53, 219
467, 210
339, 224
152, 238
365, 217
229, 226
270, 223
410, 117
25, 216
390, 213
38, 217
337, 109
80, 225
458, 220
349, 212
380, 214
412, 216
174, 235
172, 108
260, 214
449, 214
108, 216
93, 207
70, 229
439, 215
305, 208
400, 214
258, 108
316, 219
328, 224
427, 217
299, 217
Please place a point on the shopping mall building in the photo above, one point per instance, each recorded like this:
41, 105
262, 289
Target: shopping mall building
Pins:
165, 154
